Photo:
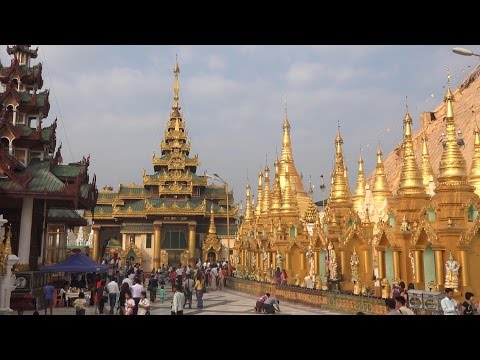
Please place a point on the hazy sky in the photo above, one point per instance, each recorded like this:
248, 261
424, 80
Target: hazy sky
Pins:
113, 102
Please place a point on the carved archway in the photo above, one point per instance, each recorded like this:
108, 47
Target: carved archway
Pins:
212, 244
131, 248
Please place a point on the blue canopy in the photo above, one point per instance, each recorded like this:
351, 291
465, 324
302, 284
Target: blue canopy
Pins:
77, 263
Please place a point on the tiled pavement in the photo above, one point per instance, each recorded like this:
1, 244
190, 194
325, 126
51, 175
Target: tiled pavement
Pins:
219, 302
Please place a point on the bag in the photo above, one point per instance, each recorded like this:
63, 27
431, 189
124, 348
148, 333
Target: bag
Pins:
104, 295
147, 312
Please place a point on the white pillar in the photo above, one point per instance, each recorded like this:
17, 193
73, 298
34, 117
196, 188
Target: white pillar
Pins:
7, 284
25, 231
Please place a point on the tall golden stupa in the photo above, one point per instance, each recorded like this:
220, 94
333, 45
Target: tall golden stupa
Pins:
415, 219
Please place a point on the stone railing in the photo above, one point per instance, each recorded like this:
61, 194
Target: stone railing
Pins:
324, 299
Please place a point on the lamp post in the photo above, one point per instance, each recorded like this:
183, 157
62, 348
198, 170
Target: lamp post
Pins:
218, 178
464, 52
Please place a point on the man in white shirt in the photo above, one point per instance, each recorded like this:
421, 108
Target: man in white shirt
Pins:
178, 301
136, 292
128, 280
113, 290
449, 305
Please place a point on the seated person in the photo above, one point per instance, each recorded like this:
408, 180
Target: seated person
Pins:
271, 305
259, 306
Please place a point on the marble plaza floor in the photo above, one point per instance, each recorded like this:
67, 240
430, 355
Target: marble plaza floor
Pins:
219, 302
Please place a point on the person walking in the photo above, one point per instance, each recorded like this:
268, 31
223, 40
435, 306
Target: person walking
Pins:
199, 286
136, 291
49, 292
113, 290
178, 301
153, 287
188, 285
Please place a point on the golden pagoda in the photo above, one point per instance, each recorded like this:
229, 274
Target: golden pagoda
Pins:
284, 225
167, 218
432, 239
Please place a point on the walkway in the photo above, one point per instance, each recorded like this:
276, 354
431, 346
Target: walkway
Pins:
219, 302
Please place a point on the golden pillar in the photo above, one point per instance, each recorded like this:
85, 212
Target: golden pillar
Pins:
439, 276
157, 248
287, 261
302, 262
259, 257
463, 260
418, 265
381, 264
269, 259
124, 241
191, 244
367, 265
96, 244
316, 259
343, 262
396, 264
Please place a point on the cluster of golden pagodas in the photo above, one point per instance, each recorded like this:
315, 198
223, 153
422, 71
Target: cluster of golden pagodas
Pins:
425, 233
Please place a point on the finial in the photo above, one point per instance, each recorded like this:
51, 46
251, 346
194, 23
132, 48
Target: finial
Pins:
286, 106
338, 126
406, 103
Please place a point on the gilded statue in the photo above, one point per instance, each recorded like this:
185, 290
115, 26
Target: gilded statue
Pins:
354, 266
412, 263
311, 261
332, 262
279, 260
386, 288
452, 268
357, 287
265, 261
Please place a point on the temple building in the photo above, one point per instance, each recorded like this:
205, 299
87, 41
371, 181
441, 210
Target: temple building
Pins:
38, 194
431, 237
414, 219
283, 225
170, 218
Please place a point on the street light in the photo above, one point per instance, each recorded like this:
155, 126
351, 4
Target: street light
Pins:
218, 178
464, 52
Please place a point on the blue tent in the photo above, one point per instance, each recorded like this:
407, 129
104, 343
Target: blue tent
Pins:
77, 263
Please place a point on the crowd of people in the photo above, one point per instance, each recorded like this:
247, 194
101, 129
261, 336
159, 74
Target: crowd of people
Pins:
398, 302
125, 294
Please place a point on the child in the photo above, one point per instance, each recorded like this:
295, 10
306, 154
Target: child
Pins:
79, 304
162, 294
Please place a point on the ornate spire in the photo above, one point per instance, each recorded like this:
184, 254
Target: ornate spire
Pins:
360, 188
474, 179
267, 195
340, 191
277, 192
287, 154
259, 207
427, 172
287, 194
380, 189
248, 205
453, 167
311, 215
176, 86
410, 176
212, 229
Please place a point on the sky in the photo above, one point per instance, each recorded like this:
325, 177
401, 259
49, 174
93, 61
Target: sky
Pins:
113, 102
